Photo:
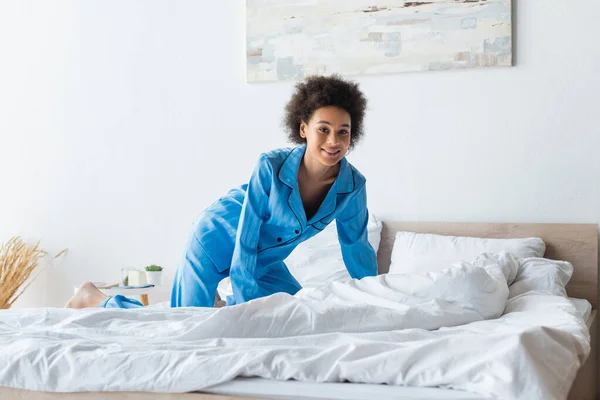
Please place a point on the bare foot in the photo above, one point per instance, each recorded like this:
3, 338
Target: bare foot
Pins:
87, 296
218, 302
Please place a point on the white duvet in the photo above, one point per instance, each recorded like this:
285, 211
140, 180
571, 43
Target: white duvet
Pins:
500, 327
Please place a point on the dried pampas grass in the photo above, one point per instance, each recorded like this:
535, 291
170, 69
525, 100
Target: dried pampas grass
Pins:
17, 262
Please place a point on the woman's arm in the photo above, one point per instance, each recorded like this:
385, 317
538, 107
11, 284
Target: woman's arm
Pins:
358, 254
243, 263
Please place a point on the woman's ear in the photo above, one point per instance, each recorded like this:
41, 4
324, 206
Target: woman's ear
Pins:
303, 128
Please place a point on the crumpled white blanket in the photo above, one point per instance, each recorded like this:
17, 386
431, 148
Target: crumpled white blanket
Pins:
500, 327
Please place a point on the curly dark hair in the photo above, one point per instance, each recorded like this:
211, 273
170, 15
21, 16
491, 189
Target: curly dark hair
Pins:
321, 91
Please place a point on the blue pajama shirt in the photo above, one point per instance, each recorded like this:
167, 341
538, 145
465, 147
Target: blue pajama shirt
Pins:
248, 233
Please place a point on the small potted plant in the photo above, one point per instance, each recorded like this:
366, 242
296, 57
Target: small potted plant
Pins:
154, 274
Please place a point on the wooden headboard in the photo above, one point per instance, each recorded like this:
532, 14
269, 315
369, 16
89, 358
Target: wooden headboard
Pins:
576, 243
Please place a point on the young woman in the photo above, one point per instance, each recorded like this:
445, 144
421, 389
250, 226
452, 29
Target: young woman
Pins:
292, 195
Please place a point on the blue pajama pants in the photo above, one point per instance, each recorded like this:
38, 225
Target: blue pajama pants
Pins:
197, 278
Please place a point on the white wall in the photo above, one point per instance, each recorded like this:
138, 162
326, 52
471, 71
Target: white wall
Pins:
121, 120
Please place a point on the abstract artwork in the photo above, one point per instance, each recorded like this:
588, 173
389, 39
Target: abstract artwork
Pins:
291, 39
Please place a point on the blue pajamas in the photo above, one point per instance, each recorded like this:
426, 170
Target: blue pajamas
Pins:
120, 301
196, 279
249, 232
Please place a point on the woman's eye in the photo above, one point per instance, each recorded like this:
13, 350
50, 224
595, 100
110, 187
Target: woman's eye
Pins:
324, 130
344, 132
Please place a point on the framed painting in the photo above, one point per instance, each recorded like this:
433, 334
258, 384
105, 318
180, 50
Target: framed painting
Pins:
289, 39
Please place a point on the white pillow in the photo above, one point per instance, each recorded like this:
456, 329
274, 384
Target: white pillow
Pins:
426, 252
318, 260
541, 275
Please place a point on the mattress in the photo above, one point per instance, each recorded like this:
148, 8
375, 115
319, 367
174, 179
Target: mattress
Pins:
269, 389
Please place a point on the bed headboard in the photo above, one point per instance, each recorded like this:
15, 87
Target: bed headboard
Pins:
576, 243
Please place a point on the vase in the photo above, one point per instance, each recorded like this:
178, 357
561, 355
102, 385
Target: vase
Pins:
154, 277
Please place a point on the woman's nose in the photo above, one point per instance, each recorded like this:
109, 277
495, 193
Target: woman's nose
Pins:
332, 138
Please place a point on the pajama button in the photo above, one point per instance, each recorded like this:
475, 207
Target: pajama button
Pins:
279, 239
297, 231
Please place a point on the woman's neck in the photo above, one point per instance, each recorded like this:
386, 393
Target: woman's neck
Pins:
314, 171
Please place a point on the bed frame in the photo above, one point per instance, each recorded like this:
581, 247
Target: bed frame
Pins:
577, 243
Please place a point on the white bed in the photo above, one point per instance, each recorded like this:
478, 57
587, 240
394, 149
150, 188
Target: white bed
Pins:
270, 389
574, 243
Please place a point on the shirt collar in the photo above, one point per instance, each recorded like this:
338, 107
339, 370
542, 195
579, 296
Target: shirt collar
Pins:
288, 174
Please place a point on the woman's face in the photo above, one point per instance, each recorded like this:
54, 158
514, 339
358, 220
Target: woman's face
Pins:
327, 135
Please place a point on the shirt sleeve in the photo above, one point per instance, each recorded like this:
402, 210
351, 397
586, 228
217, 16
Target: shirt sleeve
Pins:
243, 262
357, 252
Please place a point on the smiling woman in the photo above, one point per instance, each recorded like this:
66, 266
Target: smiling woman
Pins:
292, 195
327, 134
319, 92
326, 114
